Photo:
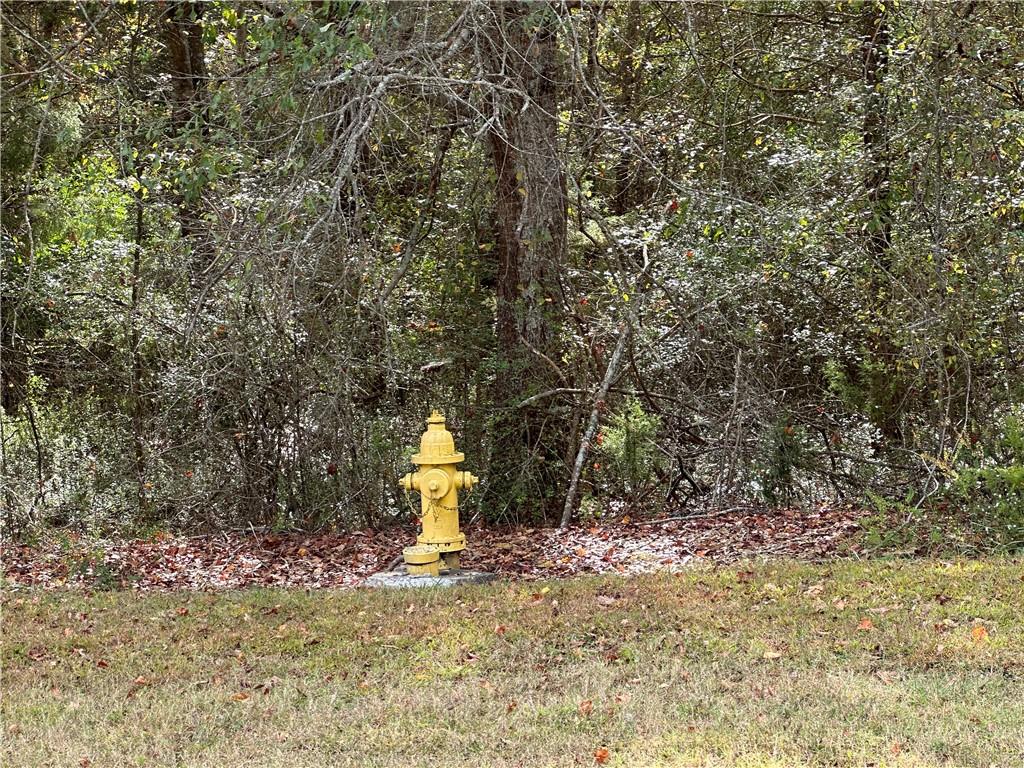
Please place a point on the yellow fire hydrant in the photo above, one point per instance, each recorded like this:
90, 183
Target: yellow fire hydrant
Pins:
439, 483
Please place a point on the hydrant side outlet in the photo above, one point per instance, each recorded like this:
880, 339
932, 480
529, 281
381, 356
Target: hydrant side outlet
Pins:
438, 482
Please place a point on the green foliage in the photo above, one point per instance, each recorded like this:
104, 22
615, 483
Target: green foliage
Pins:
981, 509
782, 454
991, 490
901, 527
101, 576
195, 324
629, 446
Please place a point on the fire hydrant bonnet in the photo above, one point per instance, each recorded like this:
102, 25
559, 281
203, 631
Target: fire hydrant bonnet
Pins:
437, 446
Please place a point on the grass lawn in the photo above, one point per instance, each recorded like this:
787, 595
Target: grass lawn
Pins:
851, 664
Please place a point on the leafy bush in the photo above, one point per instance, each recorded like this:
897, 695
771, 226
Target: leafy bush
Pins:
629, 446
781, 454
992, 491
981, 510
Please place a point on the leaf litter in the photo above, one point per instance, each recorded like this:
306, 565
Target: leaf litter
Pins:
239, 559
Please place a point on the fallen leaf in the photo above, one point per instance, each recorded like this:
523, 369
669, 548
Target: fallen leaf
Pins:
979, 634
605, 600
140, 680
772, 655
240, 696
601, 755
586, 707
865, 625
500, 629
266, 685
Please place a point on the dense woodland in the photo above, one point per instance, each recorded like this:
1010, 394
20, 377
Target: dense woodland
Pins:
645, 256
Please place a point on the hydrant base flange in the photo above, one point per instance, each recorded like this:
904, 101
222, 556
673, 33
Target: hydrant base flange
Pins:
421, 554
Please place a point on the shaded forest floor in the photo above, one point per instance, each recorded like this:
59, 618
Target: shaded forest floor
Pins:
909, 664
245, 559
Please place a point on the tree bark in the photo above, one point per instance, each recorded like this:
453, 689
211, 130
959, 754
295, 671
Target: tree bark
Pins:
183, 35
877, 146
184, 38
875, 133
593, 422
137, 406
530, 207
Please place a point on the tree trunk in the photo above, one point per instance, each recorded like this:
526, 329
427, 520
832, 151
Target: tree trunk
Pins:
527, 462
876, 131
184, 37
877, 146
628, 76
183, 34
137, 406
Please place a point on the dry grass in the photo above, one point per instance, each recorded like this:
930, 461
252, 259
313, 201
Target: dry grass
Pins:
781, 665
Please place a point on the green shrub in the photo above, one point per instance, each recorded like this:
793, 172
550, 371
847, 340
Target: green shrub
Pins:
991, 488
782, 452
629, 447
981, 510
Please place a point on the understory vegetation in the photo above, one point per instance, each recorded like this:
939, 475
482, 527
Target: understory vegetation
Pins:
912, 664
639, 253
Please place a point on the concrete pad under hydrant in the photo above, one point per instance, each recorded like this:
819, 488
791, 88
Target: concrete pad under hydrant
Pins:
400, 579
